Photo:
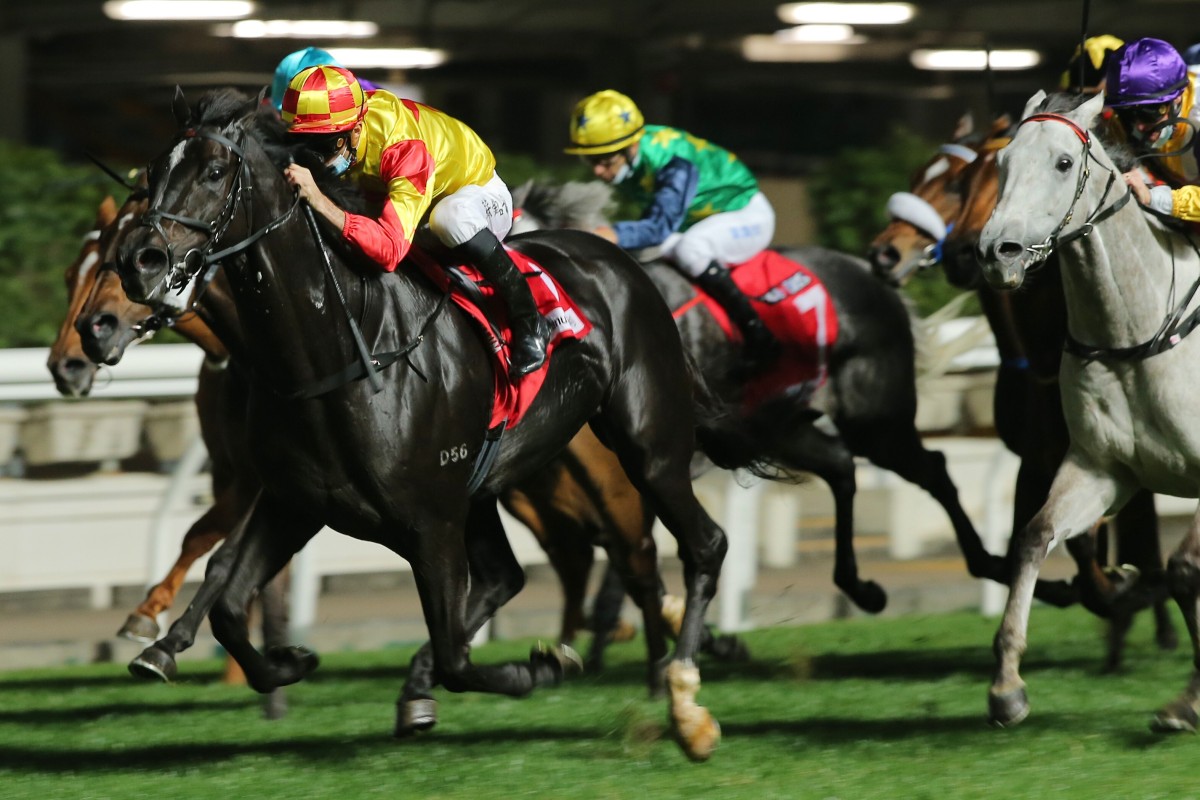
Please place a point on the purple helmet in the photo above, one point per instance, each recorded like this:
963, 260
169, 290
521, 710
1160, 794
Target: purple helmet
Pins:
1143, 72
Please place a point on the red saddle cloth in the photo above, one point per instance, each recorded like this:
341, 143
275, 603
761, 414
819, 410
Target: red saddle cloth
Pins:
490, 314
795, 307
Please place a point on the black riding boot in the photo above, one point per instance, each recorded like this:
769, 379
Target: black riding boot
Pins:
762, 347
530, 331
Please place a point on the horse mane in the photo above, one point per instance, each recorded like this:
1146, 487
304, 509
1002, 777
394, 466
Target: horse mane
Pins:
574, 204
222, 107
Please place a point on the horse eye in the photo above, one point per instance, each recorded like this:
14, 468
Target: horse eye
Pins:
1063, 164
216, 172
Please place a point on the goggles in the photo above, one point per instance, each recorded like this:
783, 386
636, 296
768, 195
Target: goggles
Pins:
1144, 115
605, 160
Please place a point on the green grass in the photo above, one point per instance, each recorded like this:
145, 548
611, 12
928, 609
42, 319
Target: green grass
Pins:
853, 710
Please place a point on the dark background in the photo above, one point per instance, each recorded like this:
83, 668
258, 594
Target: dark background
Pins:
76, 81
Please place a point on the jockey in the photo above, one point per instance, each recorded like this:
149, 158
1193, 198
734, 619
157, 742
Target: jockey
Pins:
1154, 97
699, 203
1099, 51
426, 164
295, 61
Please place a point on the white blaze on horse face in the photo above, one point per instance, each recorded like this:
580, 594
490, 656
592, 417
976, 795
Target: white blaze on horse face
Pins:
89, 263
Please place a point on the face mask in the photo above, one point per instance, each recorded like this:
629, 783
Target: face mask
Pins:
342, 162
623, 173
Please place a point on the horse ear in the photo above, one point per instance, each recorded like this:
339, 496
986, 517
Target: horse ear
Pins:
262, 96
107, 212
965, 127
183, 114
1087, 113
1033, 103
999, 125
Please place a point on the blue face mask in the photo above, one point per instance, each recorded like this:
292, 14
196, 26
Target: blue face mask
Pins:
344, 161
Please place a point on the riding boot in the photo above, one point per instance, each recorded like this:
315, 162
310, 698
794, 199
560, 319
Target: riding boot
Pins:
762, 348
530, 331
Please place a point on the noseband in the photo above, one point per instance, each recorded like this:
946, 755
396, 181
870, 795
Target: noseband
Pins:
1043, 250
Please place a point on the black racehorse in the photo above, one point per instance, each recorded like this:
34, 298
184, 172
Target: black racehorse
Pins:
371, 464
866, 408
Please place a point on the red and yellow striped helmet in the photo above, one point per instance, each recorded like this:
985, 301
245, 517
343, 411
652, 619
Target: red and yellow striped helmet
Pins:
604, 122
323, 99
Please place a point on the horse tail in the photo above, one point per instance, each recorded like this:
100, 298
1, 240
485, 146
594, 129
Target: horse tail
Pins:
723, 433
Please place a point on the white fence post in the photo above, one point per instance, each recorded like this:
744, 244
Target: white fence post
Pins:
996, 531
164, 541
741, 521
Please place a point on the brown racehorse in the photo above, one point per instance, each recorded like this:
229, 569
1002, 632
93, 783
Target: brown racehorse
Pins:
1030, 329
577, 501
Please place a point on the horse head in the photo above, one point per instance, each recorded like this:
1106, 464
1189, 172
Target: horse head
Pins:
980, 185
1047, 194
72, 371
919, 216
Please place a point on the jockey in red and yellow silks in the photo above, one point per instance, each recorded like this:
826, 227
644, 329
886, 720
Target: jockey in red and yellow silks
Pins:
420, 163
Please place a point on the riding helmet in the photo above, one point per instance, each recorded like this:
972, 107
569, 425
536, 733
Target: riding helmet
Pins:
604, 122
323, 99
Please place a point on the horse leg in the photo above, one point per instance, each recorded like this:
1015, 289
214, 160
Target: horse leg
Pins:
1078, 497
495, 578
900, 450
1139, 544
827, 456
606, 611
204, 535
275, 531
1183, 578
653, 441
157, 662
273, 602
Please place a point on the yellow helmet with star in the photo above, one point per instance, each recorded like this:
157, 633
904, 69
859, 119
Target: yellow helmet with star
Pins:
604, 122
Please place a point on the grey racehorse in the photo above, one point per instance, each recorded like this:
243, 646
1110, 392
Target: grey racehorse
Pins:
1129, 387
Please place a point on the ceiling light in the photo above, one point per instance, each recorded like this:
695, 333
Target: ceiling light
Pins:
845, 13
819, 33
770, 48
298, 29
974, 59
178, 9
388, 57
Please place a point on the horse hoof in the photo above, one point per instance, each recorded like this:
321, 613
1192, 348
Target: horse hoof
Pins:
1176, 717
1006, 709
292, 664
139, 628
731, 649
561, 660
870, 597
699, 735
414, 716
622, 632
154, 664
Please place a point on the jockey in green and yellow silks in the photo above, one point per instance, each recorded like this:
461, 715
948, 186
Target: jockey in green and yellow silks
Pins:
422, 164
1154, 97
700, 204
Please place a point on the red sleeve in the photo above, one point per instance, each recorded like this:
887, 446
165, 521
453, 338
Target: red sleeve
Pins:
407, 168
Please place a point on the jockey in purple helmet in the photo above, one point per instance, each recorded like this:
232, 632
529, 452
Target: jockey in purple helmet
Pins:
1154, 97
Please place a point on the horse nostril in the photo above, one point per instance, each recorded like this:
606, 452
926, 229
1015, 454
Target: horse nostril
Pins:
73, 366
150, 259
102, 325
883, 257
1009, 250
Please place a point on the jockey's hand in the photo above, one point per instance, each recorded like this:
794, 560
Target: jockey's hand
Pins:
606, 232
302, 179
1137, 183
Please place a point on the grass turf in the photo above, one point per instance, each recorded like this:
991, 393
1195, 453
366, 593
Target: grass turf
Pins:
853, 710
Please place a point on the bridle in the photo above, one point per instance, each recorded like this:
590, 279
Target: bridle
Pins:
918, 212
180, 271
1042, 250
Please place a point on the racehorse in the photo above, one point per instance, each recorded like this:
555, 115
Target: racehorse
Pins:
367, 463
578, 500
1030, 330
866, 408
1125, 378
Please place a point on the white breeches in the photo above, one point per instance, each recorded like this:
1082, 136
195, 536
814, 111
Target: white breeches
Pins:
727, 238
457, 217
